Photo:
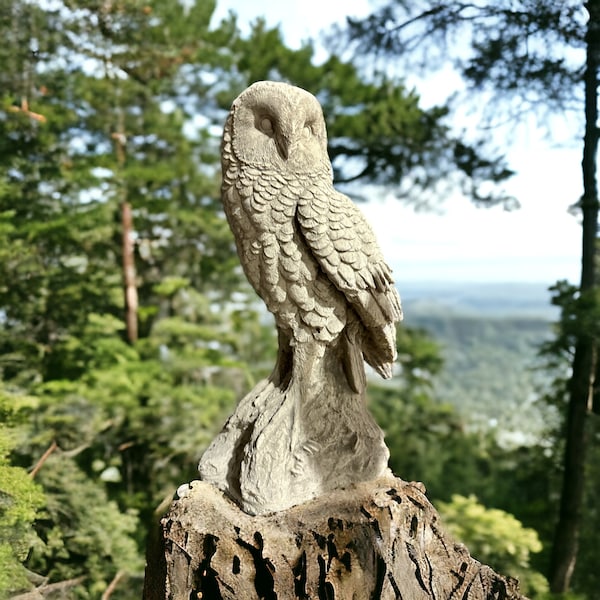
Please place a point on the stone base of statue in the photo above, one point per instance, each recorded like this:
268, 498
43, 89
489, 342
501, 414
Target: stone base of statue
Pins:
285, 445
375, 540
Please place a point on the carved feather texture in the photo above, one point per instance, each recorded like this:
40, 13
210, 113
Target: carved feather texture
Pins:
306, 248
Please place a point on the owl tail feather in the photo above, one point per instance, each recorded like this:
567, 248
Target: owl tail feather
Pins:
352, 359
379, 348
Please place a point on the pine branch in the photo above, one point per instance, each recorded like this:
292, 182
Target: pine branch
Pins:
40, 463
112, 585
43, 591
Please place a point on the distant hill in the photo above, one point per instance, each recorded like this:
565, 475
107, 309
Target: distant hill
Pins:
483, 299
489, 336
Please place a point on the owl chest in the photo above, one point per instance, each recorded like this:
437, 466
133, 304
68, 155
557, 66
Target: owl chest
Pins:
278, 248
277, 260
268, 207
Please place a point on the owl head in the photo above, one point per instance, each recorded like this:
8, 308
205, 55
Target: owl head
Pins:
280, 126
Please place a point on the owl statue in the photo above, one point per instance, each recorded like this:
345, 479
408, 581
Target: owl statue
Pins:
305, 247
311, 256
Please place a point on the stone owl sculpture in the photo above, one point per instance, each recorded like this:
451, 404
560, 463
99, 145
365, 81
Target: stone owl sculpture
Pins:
305, 247
312, 257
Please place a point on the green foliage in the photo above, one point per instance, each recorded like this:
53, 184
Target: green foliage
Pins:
419, 357
580, 309
83, 532
579, 315
21, 499
495, 538
427, 440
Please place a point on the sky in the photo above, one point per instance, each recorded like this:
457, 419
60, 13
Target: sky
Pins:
538, 243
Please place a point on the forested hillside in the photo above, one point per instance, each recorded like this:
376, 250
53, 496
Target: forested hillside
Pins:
490, 338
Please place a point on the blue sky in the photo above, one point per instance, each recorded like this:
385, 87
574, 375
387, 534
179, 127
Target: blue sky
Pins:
540, 242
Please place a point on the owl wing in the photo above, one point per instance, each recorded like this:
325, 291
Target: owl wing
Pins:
345, 247
238, 219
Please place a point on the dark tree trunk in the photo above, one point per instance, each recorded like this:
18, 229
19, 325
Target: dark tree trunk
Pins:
581, 385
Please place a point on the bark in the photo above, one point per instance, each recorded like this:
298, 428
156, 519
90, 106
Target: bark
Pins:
130, 295
129, 284
581, 385
375, 540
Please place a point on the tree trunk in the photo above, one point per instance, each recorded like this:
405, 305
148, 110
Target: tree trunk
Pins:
376, 540
130, 294
129, 284
581, 385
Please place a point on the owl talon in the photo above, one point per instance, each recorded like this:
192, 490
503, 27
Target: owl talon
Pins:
310, 447
307, 448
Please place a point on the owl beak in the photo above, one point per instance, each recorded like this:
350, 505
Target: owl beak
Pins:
283, 144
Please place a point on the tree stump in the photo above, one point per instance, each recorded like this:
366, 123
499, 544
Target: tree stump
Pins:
375, 540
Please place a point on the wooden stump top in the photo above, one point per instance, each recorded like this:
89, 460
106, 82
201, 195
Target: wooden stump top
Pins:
380, 539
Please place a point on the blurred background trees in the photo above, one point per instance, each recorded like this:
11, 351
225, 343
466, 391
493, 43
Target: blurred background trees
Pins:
113, 105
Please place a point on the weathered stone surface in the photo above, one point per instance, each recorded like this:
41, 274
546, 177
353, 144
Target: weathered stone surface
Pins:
375, 540
312, 257
283, 447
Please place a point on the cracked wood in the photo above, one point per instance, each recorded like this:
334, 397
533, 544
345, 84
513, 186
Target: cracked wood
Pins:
370, 541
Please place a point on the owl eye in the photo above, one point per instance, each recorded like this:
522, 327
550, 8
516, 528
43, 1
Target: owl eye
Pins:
307, 131
266, 125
